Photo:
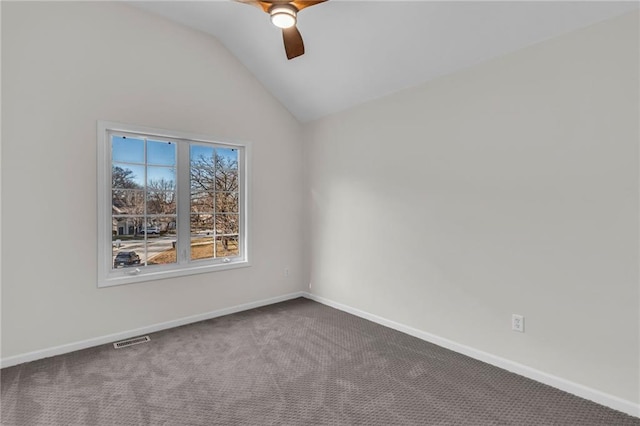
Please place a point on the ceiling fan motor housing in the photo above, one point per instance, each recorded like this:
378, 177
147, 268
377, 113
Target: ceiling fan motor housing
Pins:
283, 15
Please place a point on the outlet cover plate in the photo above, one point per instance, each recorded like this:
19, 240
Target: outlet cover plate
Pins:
517, 323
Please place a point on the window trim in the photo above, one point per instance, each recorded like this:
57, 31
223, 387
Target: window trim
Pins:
184, 265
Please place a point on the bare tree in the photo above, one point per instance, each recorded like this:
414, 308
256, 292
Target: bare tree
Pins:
123, 178
161, 197
127, 197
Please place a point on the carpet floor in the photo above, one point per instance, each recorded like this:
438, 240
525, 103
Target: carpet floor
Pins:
292, 363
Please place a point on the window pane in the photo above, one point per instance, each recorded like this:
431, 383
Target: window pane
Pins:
125, 258
161, 240
161, 178
227, 158
202, 152
161, 153
226, 224
161, 202
226, 202
127, 150
202, 171
202, 202
227, 246
127, 245
127, 176
127, 202
201, 224
125, 228
226, 180
201, 236
201, 248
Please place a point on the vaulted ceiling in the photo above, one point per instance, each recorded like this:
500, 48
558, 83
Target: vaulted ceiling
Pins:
361, 50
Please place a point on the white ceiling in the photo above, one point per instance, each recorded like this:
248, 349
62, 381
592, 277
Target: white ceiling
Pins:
361, 50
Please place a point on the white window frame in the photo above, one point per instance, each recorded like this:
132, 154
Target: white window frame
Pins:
107, 276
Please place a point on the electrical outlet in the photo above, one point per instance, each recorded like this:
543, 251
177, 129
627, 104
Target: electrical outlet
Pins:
517, 323
286, 272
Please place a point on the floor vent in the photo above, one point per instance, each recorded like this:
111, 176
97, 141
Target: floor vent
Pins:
130, 342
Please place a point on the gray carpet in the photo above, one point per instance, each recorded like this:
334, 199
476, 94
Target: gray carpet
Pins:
293, 363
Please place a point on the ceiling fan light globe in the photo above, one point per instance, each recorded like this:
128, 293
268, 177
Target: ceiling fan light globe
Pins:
283, 17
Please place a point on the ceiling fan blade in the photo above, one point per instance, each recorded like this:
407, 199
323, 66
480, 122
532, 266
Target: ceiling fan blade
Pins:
263, 5
293, 43
301, 4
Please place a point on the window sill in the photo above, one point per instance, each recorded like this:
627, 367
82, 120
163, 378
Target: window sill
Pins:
145, 274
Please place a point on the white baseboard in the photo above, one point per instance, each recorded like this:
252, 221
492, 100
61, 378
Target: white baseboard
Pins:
96, 341
577, 389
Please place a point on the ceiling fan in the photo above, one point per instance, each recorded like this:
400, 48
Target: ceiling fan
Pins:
284, 14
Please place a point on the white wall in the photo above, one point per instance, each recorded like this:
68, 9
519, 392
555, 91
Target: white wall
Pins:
67, 65
511, 187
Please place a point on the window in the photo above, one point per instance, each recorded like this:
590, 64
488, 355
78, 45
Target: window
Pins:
169, 204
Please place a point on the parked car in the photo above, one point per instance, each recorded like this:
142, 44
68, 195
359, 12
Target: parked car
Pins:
150, 230
126, 258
